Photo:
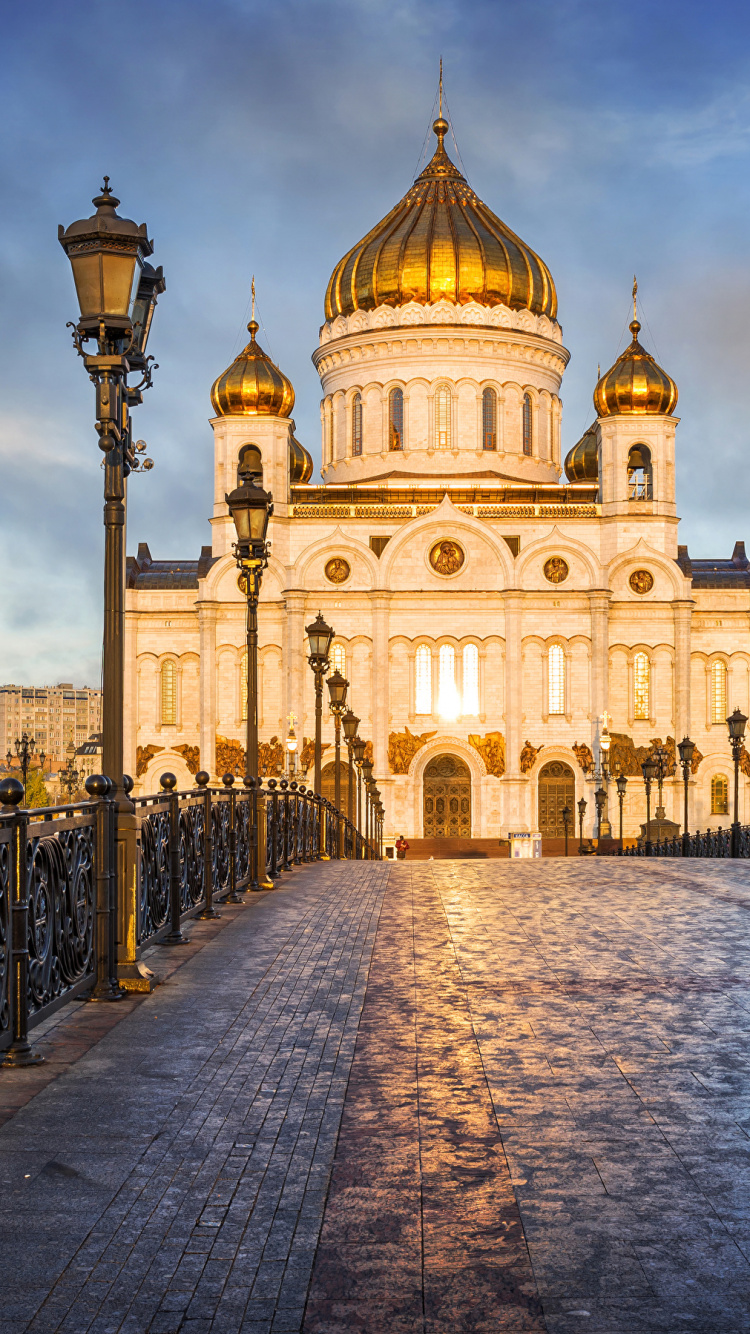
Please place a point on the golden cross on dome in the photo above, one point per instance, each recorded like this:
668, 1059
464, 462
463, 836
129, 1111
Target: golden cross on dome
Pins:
252, 290
441, 89
635, 297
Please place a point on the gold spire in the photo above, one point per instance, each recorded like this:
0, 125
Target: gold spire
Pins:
440, 242
635, 297
440, 105
253, 384
636, 384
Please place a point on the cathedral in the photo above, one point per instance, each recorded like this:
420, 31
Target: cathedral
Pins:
497, 609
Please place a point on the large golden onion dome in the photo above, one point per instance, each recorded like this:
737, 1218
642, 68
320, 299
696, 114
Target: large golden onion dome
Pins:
635, 384
253, 385
582, 461
300, 462
440, 243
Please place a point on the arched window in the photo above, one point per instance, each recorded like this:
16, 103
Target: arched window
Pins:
555, 679
718, 691
489, 419
639, 473
528, 441
719, 795
357, 424
396, 419
448, 702
243, 687
330, 433
443, 417
641, 686
470, 703
423, 679
168, 693
338, 658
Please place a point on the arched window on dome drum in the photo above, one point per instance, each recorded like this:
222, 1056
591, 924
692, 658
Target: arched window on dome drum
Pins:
443, 417
168, 693
641, 687
337, 657
639, 473
357, 424
718, 692
423, 679
719, 795
396, 419
470, 700
243, 687
489, 419
555, 679
330, 433
528, 440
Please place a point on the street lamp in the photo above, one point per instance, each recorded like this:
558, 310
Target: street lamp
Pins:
350, 723
622, 784
337, 688
359, 747
291, 752
69, 776
687, 750
660, 758
736, 724
117, 293
649, 769
320, 637
251, 508
581, 813
566, 823
367, 767
605, 741
25, 748
600, 797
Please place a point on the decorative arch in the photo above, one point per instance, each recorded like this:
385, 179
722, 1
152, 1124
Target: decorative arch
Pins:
557, 543
447, 745
458, 523
343, 543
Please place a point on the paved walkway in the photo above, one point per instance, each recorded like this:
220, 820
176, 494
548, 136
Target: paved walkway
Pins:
433, 1098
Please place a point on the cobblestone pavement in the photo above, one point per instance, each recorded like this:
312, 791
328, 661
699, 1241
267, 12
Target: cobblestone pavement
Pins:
545, 1124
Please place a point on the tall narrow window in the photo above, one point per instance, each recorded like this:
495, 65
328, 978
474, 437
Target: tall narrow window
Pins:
489, 419
330, 433
471, 680
338, 658
641, 686
528, 440
168, 693
448, 701
357, 424
556, 679
396, 419
243, 687
718, 692
423, 679
443, 417
719, 795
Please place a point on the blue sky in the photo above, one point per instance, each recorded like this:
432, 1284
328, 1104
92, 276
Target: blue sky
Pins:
266, 138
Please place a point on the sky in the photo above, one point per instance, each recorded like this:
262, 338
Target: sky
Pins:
266, 139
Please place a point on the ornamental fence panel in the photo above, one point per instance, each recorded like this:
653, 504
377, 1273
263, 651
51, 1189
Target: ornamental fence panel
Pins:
713, 843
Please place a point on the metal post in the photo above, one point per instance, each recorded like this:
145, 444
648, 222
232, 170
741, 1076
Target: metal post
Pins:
649, 844
102, 790
337, 784
174, 936
232, 896
202, 781
735, 834
19, 1053
251, 742
285, 802
318, 729
274, 869
350, 792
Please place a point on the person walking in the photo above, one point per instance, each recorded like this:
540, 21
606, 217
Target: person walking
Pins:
402, 847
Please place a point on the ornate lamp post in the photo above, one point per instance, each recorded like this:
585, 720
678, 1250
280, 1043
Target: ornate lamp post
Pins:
736, 723
661, 758
605, 828
337, 688
350, 723
649, 769
69, 776
251, 508
117, 292
359, 746
320, 636
581, 813
25, 748
686, 749
367, 767
291, 751
600, 797
622, 784
566, 823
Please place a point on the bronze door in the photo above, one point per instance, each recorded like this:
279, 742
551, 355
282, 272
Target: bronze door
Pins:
557, 788
447, 798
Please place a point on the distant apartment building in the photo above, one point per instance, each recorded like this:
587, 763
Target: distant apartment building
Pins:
52, 715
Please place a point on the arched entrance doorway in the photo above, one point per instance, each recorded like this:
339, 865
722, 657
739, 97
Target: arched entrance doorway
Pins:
557, 788
447, 798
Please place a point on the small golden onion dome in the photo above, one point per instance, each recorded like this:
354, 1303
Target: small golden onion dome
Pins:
635, 384
253, 385
300, 463
582, 462
440, 243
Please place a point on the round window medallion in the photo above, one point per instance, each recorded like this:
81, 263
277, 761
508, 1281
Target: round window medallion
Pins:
641, 581
446, 557
337, 570
556, 570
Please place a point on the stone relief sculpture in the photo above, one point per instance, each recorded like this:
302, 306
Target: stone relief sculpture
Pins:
270, 758
307, 754
143, 758
402, 747
584, 756
491, 747
627, 758
528, 756
446, 557
191, 755
230, 757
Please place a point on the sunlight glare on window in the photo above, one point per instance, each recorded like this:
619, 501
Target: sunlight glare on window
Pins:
471, 679
449, 704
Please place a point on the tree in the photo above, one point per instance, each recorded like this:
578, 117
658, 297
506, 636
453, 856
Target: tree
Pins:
36, 792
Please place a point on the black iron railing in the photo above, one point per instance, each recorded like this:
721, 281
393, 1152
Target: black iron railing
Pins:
733, 842
61, 901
